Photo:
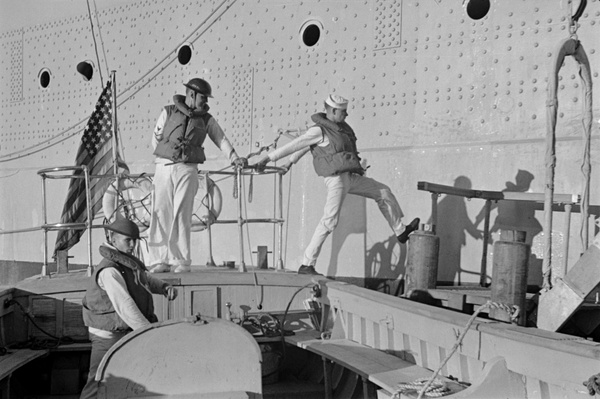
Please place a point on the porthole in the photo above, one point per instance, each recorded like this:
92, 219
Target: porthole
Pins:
310, 33
86, 70
44, 78
477, 9
184, 54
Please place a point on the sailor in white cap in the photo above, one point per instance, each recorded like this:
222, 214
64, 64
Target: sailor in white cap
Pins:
332, 143
178, 146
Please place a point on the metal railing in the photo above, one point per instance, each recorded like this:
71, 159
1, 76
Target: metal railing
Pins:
56, 173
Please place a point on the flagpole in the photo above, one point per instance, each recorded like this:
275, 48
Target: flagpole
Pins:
114, 123
115, 141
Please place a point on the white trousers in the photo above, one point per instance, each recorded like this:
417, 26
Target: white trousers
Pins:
169, 236
337, 188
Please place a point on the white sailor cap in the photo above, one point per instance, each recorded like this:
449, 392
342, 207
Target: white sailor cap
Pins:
336, 101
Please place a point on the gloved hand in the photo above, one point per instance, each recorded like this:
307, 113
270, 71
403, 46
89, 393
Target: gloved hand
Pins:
593, 384
286, 167
260, 165
170, 292
240, 162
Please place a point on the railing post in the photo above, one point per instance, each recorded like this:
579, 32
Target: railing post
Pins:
568, 208
44, 222
238, 171
279, 264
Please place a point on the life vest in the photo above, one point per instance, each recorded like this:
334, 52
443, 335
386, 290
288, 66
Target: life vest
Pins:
179, 145
98, 310
340, 155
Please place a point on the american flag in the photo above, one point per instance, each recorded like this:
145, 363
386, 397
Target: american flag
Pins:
95, 151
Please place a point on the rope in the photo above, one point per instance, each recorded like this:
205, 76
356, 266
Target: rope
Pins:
513, 311
436, 389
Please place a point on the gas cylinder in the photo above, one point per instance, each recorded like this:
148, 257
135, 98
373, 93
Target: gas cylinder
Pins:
422, 259
509, 276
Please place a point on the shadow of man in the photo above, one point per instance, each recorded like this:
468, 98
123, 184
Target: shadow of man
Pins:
453, 222
517, 215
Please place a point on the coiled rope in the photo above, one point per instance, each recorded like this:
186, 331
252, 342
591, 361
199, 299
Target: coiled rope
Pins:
437, 391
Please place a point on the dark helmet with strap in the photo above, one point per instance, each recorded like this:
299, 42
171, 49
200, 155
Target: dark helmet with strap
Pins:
200, 86
125, 227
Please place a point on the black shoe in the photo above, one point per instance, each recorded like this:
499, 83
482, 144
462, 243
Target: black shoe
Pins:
409, 229
308, 270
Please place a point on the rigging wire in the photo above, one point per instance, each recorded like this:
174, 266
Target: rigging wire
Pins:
35, 148
95, 44
101, 40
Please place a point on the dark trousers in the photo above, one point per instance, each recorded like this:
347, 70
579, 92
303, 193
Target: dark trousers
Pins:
99, 348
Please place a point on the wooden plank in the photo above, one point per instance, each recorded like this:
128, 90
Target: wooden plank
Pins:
382, 369
496, 195
13, 361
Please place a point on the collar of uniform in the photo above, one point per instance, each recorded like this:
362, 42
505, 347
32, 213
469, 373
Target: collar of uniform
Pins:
321, 119
114, 255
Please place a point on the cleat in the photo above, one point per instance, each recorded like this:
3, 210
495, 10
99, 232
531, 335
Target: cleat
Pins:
414, 225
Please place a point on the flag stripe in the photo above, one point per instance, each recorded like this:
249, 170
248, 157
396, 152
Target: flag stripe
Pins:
95, 152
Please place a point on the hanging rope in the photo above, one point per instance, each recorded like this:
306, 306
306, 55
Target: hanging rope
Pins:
572, 47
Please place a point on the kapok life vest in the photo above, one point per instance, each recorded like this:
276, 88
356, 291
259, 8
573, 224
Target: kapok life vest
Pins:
340, 155
98, 310
183, 137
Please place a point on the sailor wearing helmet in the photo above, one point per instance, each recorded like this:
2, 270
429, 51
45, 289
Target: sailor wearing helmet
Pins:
119, 296
178, 146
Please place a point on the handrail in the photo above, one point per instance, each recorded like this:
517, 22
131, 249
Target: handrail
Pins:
53, 173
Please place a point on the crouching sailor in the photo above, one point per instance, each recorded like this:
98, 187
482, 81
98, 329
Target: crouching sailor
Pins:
119, 297
332, 143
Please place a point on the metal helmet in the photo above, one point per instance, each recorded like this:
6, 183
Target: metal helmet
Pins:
125, 227
200, 86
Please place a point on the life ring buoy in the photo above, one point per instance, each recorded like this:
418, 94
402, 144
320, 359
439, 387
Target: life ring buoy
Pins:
207, 204
134, 202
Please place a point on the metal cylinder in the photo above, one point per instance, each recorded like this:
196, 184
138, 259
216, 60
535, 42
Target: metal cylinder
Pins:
422, 260
509, 276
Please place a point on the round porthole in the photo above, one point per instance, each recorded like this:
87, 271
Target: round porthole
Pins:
184, 54
86, 70
310, 33
44, 78
477, 9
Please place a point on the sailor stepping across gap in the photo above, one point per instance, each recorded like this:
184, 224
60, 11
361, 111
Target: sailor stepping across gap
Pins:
332, 143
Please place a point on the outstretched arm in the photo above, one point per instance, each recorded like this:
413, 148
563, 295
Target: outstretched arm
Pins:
297, 148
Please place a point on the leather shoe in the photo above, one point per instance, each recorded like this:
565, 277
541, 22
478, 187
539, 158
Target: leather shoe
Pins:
308, 270
161, 268
403, 237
